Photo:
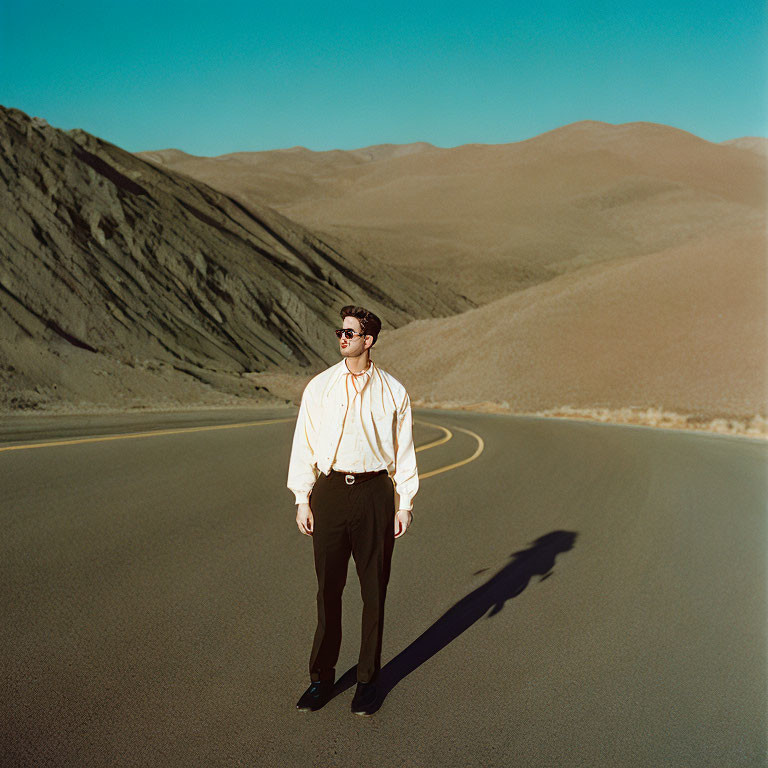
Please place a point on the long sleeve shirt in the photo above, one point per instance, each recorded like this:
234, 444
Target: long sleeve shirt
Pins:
354, 423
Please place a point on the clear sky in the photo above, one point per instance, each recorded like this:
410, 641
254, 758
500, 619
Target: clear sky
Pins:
217, 77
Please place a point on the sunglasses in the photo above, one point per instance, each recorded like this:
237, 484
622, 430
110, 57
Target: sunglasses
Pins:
347, 333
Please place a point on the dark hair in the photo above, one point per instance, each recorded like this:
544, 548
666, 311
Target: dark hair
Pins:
370, 325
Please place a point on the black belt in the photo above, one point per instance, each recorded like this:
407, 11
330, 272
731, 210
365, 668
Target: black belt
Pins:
350, 478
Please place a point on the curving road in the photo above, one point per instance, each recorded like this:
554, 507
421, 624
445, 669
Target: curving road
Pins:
569, 594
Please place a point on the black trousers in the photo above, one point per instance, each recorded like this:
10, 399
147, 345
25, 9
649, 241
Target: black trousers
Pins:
359, 520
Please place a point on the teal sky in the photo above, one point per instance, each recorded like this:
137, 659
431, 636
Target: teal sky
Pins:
212, 78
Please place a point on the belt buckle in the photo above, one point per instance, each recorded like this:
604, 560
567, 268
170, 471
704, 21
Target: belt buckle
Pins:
349, 479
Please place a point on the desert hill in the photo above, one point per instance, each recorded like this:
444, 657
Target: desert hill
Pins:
125, 283
756, 144
621, 269
488, 220
677, 338
681, 334
620, 272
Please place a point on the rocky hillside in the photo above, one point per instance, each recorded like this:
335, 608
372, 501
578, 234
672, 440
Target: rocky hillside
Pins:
122, 283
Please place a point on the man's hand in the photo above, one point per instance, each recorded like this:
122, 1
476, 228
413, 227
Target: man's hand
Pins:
402, 521
304, 519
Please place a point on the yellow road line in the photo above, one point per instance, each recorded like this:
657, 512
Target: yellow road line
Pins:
132, 435
181, 430
480, 447
448, 435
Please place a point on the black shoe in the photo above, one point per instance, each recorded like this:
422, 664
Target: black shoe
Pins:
365, 699
317, 695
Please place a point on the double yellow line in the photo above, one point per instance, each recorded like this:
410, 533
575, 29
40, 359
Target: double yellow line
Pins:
447, 435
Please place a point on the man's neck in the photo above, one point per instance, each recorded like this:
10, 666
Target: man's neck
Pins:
357, 364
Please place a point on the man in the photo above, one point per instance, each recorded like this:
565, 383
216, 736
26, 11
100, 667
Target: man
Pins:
352, 449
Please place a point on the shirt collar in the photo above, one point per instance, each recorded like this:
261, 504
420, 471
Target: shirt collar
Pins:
356, 381
367, 371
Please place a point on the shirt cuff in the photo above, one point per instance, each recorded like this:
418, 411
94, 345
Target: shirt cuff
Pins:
405, 503
302, 497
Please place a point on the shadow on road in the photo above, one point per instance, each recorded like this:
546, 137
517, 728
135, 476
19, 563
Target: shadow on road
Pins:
510, 581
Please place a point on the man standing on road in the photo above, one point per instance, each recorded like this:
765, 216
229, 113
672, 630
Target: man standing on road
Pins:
352, 449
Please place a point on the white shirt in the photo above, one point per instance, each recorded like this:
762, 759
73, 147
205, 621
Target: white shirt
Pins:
354, 422
351, 453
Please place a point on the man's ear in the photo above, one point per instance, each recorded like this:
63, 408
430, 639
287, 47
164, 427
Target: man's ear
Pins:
367, 345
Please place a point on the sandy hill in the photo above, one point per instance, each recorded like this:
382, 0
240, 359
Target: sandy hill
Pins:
123, 283
618, 270
756, 144
487, 220
681, 334
621, 269
677, 338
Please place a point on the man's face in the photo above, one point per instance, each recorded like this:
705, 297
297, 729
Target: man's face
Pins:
355, 346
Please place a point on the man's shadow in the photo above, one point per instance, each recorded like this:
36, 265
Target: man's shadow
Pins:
510, 581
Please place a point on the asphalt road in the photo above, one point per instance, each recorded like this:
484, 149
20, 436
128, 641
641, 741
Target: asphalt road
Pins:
570, 594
